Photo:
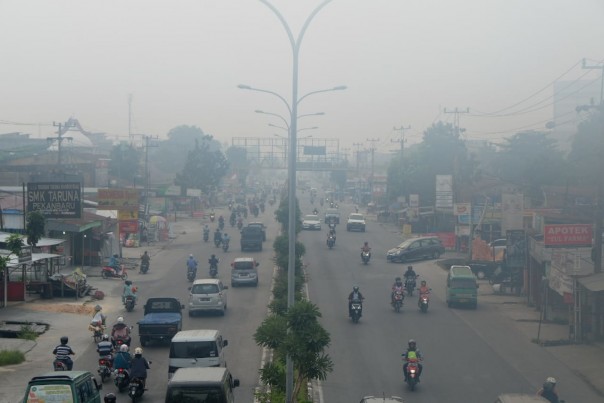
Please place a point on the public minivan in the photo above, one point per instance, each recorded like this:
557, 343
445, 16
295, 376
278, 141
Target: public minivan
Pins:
462, 287
196, 348
201, 385
63, 386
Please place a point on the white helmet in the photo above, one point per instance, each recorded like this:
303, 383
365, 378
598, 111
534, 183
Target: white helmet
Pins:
551, 380
120, 320
124, 348
138, 350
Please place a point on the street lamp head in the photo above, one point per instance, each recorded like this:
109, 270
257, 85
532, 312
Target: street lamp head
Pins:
244, 87
339, 88
259, 111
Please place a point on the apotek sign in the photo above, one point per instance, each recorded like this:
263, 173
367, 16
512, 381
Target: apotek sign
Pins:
565, 235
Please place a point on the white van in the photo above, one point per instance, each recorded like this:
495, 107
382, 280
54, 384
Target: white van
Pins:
195, 349
201, 385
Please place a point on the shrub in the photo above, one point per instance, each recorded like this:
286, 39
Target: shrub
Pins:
10, 357
27, 333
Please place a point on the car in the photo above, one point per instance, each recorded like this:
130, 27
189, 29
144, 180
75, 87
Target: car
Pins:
207, 294
497, 247
356, 222
259, 225
244, 271
382, 399
416, 249
311, 222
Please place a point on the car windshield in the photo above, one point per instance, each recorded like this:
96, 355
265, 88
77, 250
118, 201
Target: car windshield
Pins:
243, 266
198, 394
405, 244
356, 216
193, 349
311, 218
204, 289
463, 283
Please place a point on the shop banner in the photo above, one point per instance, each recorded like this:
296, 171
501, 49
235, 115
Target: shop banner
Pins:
567, 235
55, 199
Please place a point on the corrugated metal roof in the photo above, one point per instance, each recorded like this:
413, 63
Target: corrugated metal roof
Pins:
593, 283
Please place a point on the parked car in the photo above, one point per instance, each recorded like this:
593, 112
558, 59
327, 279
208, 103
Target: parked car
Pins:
416, 249
356, 222
311, 222
208, 294
244, 271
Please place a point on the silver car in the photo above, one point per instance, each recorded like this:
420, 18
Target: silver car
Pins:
208, 294
244, 272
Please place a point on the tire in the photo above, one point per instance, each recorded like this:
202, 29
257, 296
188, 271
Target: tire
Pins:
397, 308
144, 340
412, 385
424, 308
355, 319
480, 274
191, 314
124, 276
105, 274
222, 312
436, 255
129, 307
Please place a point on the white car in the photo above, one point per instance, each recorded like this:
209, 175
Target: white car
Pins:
356, 222
208, 294
311, 222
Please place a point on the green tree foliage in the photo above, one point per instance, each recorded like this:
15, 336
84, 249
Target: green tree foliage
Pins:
298, 334
125, 161
205, 166
587, 151
14, 244
282, 215
35, 228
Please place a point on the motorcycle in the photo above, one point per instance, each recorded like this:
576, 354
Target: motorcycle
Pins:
398, 301
104, 369
206, 236
119, 340
129, 303
331, 242
239, 225
356, 311
109, 272
424, 301
121, 379
213, 271
225, 246
212, 217
97, 331
136, 389
217, 242
410, 285
191, 274
232, 222
412, 373
59, 365
144, 267
221, 224
365, 257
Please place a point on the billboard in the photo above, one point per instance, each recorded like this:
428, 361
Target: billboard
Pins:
314, 150
512, 211
567, 235
55, 199
444, 191
118, 199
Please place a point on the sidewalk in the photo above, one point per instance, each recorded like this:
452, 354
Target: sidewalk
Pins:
67, 316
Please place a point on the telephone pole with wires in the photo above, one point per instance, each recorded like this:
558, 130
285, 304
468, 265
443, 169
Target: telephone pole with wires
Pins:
63, 127
372, 149
597, 67
146, 140
401, 131
358, 154
456, 112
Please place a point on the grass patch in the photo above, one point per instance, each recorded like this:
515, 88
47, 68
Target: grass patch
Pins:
27, 333
11, 357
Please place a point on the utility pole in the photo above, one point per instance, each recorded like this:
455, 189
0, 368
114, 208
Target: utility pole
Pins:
146, 140
130, 119
372, 149
401, 140
59, 139
358, 146
457, 112
599, 213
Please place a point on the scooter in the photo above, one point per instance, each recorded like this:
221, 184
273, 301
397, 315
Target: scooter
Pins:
217, 241
412, 373
424, 301
410, 285
365, 257
121, 379
356, 311
97, 331
331, 242
129, 303
59, 365
225, 246
213, 271
212, 217
398, 301
135, 389
104, 369
191, 274
206, 236
144, 267
109, 272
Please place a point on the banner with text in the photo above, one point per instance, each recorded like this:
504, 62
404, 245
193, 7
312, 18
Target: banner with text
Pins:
55, 199
567, 235
118, 199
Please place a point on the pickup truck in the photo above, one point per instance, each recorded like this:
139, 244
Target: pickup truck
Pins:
162, 320
251, 238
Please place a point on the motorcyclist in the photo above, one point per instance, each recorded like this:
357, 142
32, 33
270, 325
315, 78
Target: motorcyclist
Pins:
139, 366
423, 290
233, 218
105, 348
217, 236
114, 263
206, 229
331, 234
225, 238
410, 274
145, 260
122, 359
412, 353
221, 221
128, 291
548, 391
120, 331
98, 319
191, 264
62, 353
355, 295
365, 248
213, 261
397, 286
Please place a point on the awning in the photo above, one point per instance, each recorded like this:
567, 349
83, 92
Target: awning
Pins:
593, 282
42, 242
88, 220
35, 257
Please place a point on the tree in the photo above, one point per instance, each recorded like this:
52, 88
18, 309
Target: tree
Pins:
299, 335
204, 167
125, 161
35, 228
587, 149
14, 244
237, 158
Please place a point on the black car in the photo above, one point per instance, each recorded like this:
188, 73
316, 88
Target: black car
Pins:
416, 249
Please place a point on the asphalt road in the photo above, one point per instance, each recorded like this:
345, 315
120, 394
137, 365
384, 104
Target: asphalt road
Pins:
469, 355
247, 307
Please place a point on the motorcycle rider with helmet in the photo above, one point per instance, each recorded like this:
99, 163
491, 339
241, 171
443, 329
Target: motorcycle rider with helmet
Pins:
128, 291
355, 295
191, 264
115, 264
409, 275
139, 366
217, 237
206, 230
423, 290
548, 390
122, 360
412, 352
225, 238
105, 348
120, 331
365, 248
397, 286
145, 260
213, 261
62, 353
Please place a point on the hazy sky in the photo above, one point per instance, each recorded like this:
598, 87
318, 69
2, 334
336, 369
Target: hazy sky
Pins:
403, 62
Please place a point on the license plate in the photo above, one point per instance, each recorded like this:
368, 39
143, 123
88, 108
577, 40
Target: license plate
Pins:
204, 299
243, 275
462, 300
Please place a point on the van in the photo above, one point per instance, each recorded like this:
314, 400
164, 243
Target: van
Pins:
519, 398
462, 287
201, 385
63, 386
196, 348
